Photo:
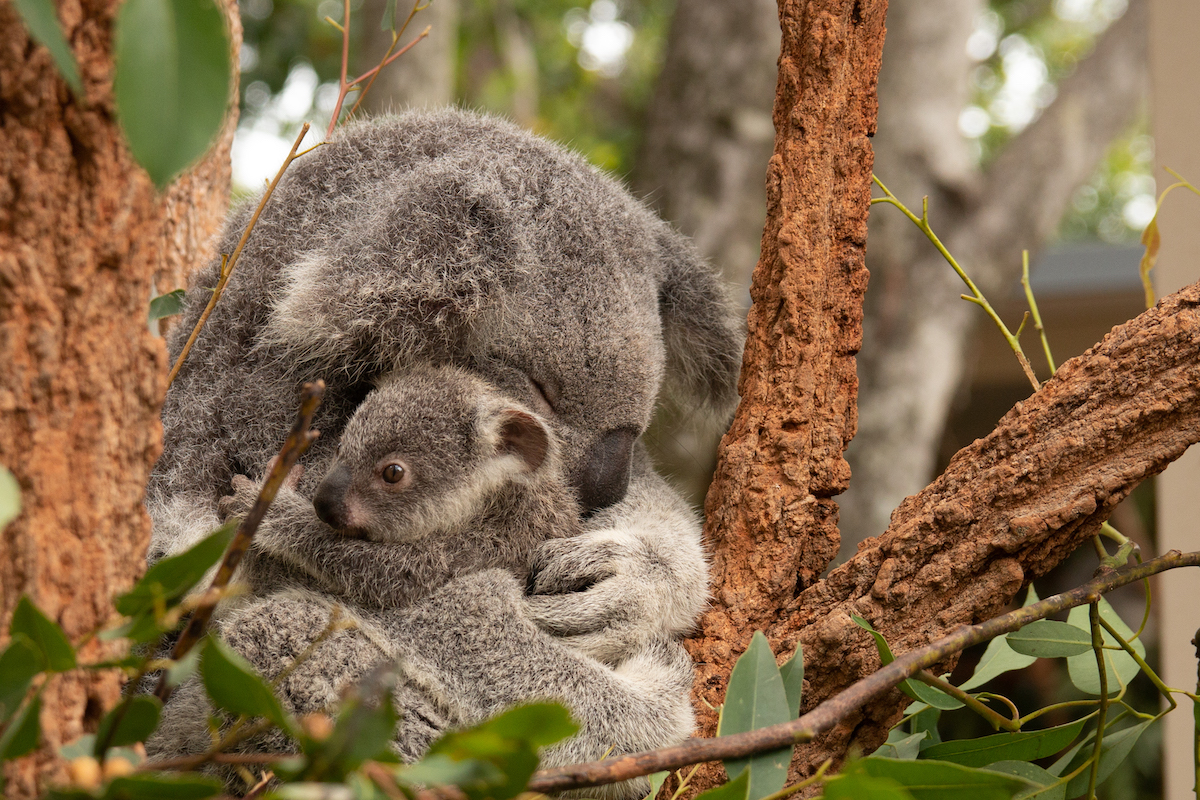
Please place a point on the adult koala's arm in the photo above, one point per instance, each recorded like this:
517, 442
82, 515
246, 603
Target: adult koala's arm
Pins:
473, 648
636, 575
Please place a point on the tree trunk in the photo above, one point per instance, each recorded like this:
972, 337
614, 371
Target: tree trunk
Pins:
771, 519
707, 138
83, 239
916, 328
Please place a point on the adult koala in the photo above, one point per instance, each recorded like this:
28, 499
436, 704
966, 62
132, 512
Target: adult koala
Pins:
447, 237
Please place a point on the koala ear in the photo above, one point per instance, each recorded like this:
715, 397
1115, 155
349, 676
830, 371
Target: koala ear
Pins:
524, 435
702, 331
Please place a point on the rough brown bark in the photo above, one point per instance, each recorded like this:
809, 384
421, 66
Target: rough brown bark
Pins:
83, 238
706, 142
771, 520
1007, 509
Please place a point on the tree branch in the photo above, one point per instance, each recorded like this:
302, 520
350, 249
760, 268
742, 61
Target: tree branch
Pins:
830, 712
1008, 508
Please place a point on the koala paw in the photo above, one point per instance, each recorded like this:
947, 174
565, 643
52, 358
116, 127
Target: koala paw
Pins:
609, 592
238, 504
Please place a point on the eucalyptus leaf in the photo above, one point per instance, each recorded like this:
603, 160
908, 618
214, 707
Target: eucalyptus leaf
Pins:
792, 673
756, 698
19, 663
1047, 638
42, 22
898, 745
736, 789
857, 785
999, 658
1120, 667
913, 689
162, 786
1049, 789
441, 770
233, 685
21, 734
45, 634
942, 780
1113, 751
172, 578
1011, 746
656, 782
171, 81
10, 497
132, 720
167, 305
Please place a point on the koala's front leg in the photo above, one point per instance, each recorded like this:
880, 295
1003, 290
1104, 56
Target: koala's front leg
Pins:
472, 647
636, 575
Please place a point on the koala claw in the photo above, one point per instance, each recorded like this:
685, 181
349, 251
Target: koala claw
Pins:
238, 504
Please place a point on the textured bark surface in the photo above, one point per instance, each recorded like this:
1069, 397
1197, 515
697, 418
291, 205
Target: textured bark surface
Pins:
771, 520
706, 142
916, 330
1007, 509
83, 239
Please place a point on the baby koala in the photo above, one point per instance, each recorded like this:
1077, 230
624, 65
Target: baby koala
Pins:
436, 475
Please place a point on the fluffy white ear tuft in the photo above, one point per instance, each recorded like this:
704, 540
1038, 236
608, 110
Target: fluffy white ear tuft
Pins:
525, 436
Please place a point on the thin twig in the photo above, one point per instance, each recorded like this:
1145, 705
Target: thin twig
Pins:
1102, 712
387, 56
976, 296
294, 446
1033, 309
228, 263
830, 712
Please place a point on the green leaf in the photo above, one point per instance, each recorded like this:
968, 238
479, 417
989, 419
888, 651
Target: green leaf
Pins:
1118, 665
45, 634
855, 784
1050, 788
1016, 746
898, 745
756, 698
40, 19
171, 81
927, 722
363, 731
792, 673
656, 782
10, 498
736, 789
183, 669
133, 720
21, 734
162, 786
941, 780
914, 689
19, 663
167, 305
1113, 751
999, 658
233, 685
389, 16
441, 770
1047, 638
172, 578
509, 743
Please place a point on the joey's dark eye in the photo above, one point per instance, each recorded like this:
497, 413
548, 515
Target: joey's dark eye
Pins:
393, 473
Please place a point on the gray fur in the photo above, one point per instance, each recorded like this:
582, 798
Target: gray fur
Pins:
449, 238
471, 498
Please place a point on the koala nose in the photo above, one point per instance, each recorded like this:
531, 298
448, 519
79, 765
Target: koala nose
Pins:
604, 477
330, 499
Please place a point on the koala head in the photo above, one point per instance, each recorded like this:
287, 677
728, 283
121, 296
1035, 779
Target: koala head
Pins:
425, 452
448, 237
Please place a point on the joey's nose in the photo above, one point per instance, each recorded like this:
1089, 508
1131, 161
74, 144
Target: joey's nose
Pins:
604, 477
330, 499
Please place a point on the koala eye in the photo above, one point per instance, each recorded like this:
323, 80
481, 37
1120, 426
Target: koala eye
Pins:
393, 473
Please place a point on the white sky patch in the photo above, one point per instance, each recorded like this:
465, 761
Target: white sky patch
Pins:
1138, 211
270, 124
986, 37
1022, 94
974, 122
602, 38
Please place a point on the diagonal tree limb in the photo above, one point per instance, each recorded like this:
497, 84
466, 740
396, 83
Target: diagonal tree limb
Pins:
1007, 509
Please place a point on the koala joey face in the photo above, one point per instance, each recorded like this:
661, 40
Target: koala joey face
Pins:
425, 452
